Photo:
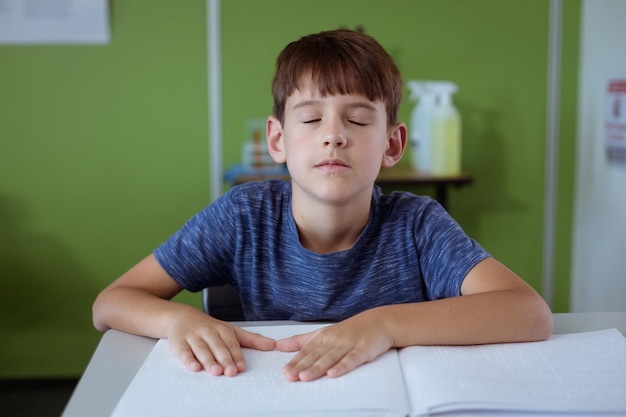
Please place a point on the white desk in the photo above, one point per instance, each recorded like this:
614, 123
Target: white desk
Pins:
119, 356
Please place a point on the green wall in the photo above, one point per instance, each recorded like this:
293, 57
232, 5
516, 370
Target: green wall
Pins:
104, 149
104, 154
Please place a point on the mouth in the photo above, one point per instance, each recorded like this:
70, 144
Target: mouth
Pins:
332, 165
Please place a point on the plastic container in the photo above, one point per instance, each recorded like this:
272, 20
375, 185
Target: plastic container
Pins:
420, 124
445, 138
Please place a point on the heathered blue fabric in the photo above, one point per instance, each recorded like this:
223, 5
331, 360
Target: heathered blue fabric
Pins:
411, 250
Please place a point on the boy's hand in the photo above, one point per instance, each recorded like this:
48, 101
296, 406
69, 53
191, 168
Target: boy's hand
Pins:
336, 349
200, 341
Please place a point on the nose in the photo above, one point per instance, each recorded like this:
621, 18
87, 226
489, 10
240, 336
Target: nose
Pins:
336, 140
334, 132
335, 137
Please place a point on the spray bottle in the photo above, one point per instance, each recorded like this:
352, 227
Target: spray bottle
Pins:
445, 131
420, 125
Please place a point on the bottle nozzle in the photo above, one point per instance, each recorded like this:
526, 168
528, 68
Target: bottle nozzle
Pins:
418, 88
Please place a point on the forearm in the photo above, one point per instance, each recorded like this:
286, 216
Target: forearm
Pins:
136, 311
514, 315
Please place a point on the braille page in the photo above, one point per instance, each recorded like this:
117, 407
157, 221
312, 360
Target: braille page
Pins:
571, 373
164, 388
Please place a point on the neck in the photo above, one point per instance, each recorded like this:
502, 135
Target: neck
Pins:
326, 228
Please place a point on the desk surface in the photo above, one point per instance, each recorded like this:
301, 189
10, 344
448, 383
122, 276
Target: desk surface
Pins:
119, 356
407, 175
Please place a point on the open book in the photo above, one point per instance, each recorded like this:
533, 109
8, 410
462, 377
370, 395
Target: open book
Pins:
582, 373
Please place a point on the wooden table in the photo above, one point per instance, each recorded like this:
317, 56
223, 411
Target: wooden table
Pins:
401, 177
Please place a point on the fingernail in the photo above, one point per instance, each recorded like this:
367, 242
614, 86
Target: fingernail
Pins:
193, 366
215, 369
230, 370
306, 374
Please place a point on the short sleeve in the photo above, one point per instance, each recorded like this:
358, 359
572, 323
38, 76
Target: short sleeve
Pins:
200, 253
446, 253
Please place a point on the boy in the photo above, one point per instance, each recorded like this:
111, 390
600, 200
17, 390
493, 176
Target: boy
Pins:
391, 271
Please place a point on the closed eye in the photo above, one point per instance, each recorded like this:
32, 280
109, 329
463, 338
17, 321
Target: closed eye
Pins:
311, 121
354, 122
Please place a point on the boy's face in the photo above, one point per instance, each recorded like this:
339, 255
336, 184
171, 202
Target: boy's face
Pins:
334, 145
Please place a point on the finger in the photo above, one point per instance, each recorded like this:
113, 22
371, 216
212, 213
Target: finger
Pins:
227, 352
253, 340
211, 356
185, 355
312, 365
349, 362
299, 363
295, 343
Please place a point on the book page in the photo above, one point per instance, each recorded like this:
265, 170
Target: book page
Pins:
163, 387
571, 373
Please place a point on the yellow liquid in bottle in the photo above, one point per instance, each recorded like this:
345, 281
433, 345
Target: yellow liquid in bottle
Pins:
446, 144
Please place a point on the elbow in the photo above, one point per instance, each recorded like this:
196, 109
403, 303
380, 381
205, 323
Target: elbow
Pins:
98, 313
543, 328
541, 322
548, 325
532, 317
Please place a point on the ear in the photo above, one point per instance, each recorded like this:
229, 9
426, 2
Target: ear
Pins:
274, 138
396, 144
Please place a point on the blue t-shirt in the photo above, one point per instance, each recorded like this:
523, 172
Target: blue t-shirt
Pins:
411, 250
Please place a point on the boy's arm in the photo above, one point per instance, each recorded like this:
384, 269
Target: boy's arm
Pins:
139, 302
496, 306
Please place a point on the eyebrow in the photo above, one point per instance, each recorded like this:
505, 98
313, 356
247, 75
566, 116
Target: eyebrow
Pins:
359, 104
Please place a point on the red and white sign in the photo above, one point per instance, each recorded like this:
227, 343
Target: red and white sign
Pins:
615, 120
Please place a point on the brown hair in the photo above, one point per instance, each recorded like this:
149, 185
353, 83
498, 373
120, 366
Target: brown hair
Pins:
338, 62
